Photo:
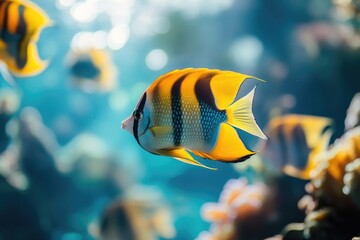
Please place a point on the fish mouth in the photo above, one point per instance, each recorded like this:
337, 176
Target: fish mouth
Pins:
123, 124
127, 124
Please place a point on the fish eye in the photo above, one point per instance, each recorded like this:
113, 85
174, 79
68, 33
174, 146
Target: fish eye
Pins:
137, 115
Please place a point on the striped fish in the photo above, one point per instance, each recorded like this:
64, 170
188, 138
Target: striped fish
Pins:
295, 142
20, 25
195, 111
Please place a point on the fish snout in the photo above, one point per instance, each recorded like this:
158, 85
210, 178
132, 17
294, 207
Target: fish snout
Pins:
123, 124
127, 124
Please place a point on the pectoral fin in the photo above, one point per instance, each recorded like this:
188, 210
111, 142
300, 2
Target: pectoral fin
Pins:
161, 130
183, 156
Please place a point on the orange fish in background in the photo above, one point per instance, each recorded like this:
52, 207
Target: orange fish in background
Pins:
295, 143
195, 111
20, 25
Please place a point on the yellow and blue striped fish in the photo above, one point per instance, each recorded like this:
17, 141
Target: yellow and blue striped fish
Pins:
20, 25
195, 111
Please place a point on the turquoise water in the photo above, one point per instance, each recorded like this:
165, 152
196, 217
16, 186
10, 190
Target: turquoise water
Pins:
148, 38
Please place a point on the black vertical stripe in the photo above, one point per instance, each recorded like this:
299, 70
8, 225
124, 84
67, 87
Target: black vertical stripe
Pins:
136, 122
157, 103
203, 90
3, 6
21, 28
300, 150
176, 111
5, 22
21, 57
283, 145
210, 115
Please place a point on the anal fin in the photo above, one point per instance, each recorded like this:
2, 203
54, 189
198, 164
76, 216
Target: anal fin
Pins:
183, 156
228, 147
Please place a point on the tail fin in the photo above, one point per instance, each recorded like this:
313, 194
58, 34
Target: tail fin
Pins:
239, 115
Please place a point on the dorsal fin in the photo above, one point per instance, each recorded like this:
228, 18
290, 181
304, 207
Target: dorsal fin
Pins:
225, 86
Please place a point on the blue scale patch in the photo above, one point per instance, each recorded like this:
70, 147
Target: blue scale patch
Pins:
210, 119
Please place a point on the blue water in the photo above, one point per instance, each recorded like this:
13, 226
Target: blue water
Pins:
254, 37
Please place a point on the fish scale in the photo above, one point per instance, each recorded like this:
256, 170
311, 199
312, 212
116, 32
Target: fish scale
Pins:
162, 117
191, 135
210, 119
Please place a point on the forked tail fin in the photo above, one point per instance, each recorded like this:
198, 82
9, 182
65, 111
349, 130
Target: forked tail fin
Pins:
239, 114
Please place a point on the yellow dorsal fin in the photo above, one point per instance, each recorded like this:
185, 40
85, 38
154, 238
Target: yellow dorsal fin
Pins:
225, 86
183, 156
240, 115
228, 147
175, 74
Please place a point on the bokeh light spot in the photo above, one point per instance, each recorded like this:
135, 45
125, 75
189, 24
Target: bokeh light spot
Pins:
156, 59
246, 51
83, 12
118, 37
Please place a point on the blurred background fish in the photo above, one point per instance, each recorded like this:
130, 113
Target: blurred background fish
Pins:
92, 70
295, 142
21, 23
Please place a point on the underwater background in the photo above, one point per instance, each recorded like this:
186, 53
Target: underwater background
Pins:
67, 168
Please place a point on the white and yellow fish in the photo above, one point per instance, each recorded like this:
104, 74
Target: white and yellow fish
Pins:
195, 111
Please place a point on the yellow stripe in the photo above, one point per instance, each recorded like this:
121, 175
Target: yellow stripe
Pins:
13, 18
160, 94
190, 107
175, 73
